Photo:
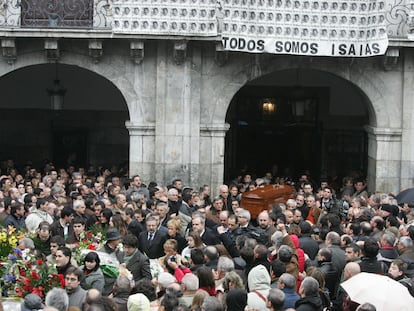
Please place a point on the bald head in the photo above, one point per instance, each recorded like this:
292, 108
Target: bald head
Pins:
93, 294
351, 269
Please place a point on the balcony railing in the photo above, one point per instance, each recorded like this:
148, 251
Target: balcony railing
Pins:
163, 17
57, 14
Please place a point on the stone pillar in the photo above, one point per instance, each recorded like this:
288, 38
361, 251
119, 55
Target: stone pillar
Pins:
407, 115
212, 142
384, 159
141, 150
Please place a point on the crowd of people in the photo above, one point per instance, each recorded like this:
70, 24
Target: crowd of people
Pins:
182, 249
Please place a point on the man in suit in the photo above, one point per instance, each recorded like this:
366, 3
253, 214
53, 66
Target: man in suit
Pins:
208, 235
163, 209
151, 241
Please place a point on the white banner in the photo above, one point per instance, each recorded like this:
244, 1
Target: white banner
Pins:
353, 28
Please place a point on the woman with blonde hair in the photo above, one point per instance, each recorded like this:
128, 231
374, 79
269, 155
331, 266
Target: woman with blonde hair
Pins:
173, 226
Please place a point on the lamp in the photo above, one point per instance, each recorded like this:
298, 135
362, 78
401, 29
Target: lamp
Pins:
56, 93
268, 106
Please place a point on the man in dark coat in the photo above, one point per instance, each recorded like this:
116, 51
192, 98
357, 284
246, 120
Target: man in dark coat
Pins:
136, 262
309, 245
333, 242
310, 299
209, 236
332, 276
369, 262
151, 241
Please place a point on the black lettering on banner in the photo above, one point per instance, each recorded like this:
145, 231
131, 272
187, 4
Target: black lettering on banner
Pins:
368, 50
279, 46
288, 46
251, 45
260, 45
304, 47
375, 48
225, 39
233, 43
242, 44
295, 47
314, 48
352, 50
342, 49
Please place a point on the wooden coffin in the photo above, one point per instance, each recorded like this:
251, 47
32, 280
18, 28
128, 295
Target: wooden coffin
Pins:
263, 198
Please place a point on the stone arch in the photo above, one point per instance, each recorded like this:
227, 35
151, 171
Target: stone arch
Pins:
120, 80
372, 85
375, 85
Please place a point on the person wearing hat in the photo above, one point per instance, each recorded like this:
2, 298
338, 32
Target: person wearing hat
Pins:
113, 239
138, 302
31, 302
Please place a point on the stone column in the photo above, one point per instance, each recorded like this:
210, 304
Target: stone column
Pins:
212, 142
142, 150
407, 147
384, 159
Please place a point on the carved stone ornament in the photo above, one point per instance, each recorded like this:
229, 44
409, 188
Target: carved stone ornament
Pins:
9, 50
95, 50
52, 49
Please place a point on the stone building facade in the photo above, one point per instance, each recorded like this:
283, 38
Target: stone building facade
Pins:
178, 83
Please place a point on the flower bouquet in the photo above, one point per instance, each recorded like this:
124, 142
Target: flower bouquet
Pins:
9, 239
24, 274
88, 242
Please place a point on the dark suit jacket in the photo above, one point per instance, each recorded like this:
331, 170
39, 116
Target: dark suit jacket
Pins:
209, 237
139, 266
153, 249
57, 229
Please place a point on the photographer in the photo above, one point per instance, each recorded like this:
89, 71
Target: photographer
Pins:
172, 261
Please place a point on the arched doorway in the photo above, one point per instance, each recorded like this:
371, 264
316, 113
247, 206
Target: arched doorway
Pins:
297, 120
88, 129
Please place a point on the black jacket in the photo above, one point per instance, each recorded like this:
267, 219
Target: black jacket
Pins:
139, 266
332, 278
309, 245
155, 248
311, 303
210, 237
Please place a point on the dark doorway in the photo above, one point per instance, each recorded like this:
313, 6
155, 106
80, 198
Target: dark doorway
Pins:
70, 147
88, 129
280, 125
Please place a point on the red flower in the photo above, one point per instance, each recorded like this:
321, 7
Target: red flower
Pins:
22, 272
89, 235
29, 264
35, 275
40, 262
61, 280
26, 281
91, 247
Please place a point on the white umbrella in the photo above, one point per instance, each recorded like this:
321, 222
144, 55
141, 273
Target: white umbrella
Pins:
381, 291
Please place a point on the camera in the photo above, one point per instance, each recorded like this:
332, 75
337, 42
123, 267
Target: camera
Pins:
173, 259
